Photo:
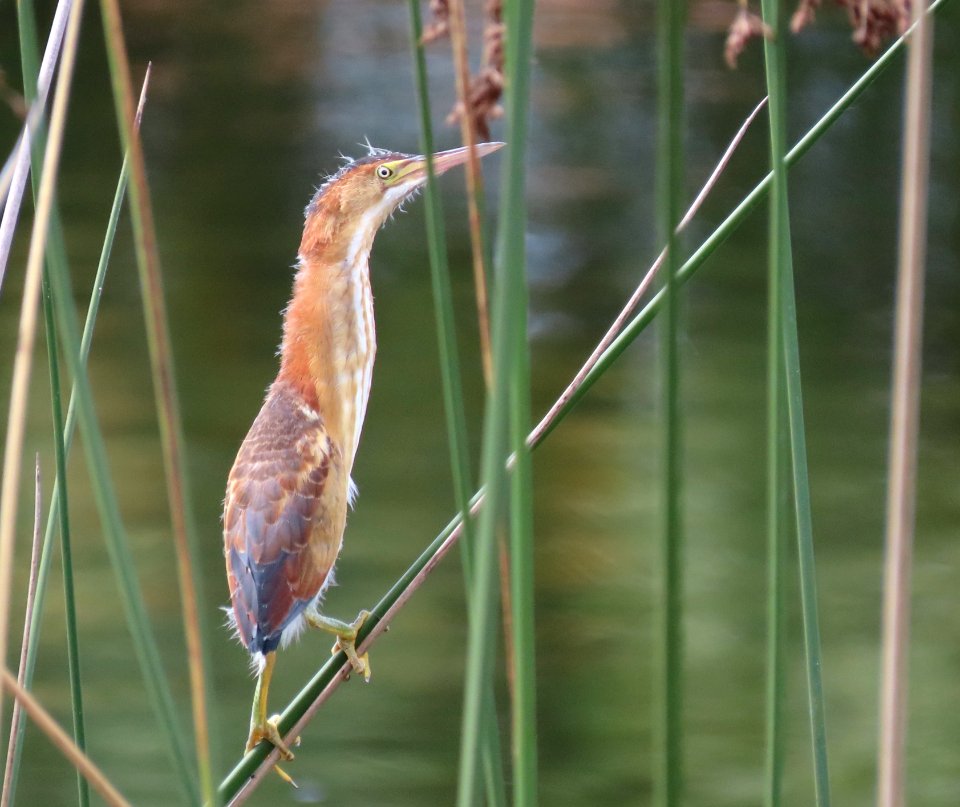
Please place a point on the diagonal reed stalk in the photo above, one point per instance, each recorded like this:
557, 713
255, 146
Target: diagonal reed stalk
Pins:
669, 185
23, 361
165, 391
777, 492
473, 180
457, 437
252, 767
14, 739
41, 717
28, 660
905, 415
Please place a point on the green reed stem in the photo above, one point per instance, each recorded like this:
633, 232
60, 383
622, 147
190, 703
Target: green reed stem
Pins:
512, 267
669, 184
308, 699
782, 284
453, 403
781, 271
450, 374
503, 411
481, 641
804, 526
66, 553
777, 474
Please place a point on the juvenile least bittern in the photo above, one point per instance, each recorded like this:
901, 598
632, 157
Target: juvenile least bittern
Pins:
288, 491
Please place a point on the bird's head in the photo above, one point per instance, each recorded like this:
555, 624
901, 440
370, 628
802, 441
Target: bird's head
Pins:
363, 194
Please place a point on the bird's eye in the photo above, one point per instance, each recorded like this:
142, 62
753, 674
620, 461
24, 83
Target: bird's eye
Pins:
384, 172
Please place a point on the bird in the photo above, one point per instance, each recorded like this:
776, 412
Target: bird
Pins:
290, 486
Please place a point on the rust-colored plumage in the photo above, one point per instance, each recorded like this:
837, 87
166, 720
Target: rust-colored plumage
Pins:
289, 488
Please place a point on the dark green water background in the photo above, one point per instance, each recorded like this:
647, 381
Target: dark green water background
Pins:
250, 104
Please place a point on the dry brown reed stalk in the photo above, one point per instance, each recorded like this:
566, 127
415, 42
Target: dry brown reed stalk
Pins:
28, 616
161, 361
474, 184
905, 414
482, 101
480, 97
23, 360
474, 181
41, 717
477, 101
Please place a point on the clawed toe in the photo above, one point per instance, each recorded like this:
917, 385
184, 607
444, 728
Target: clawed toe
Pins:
269, 731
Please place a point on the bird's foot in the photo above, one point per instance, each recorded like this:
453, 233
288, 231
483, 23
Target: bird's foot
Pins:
346, 634
269, 731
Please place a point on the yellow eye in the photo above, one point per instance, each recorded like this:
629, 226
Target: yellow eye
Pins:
384, 172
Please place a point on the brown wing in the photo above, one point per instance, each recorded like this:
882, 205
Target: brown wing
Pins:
283, 518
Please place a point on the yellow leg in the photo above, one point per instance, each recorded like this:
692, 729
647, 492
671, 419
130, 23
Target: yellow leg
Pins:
346, 634
263, 727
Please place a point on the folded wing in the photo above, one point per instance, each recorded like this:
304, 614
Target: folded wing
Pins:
283, 518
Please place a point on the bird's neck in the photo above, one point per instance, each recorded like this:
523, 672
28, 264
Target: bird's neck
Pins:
329, 340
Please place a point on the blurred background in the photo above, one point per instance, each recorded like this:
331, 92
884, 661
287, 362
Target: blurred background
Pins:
249, 106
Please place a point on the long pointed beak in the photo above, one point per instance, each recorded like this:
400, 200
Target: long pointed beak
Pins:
443, 161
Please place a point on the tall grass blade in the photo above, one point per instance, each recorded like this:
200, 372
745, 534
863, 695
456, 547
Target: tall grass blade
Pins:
905, 415
453, 405
474, 183
513, 278
481, 640
23, 361
808, 583
669, 183
781, 269
777, 492
165, 391
66, 551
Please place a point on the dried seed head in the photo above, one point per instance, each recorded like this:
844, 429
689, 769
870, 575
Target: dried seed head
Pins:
745, 26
